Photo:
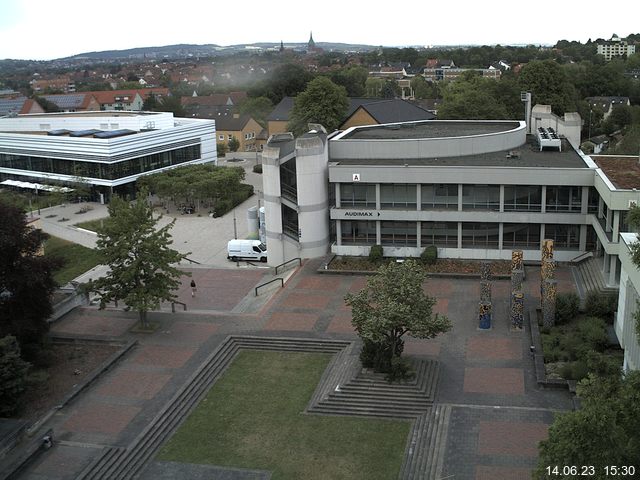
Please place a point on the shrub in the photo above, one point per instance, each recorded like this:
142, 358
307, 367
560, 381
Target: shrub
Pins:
13, 375
257, 168
376, 253
567, 307
429, 255
592, 334
400, 369
601, 305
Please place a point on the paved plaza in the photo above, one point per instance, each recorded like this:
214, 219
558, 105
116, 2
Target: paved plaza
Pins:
498, 413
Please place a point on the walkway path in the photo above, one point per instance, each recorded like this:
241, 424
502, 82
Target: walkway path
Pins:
496, 414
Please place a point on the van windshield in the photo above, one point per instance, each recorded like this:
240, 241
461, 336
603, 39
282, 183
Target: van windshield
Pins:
262, 247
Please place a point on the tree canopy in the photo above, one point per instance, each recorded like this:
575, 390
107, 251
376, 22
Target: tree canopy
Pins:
322, 102
142, 265
26, 278
473, 97
549, 85
604, 432
393, 304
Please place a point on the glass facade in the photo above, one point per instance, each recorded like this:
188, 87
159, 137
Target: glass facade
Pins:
480, 235
361, 195
398, 196
290, 222
101, 170
440, 234
522, 198
442, 196
481, 197
566, 237
289, 180
399, 234
564, 199
358, 232
521, 235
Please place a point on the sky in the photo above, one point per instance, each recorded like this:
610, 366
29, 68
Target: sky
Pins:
45, 30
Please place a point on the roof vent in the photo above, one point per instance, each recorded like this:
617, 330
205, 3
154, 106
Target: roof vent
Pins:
513, 154
548, 137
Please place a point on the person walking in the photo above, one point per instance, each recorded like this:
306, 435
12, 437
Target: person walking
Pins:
193, 288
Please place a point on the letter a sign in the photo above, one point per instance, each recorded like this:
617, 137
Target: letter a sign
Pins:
356, 177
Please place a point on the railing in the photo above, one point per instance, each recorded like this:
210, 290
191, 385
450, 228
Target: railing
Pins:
289, 261
192, 261
173, 306
267, 283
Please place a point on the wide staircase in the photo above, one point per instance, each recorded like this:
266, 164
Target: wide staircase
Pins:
592, 278
344, 389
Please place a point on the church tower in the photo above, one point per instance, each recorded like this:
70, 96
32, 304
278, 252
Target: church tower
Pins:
311, 45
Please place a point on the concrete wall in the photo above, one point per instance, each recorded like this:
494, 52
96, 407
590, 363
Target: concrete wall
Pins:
570, 125
272, 204
627, 306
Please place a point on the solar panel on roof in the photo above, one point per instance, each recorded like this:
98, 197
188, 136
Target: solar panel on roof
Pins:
114, 133
84, 133
58, 133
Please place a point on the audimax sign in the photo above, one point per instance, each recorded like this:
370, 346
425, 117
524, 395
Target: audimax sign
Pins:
360, 214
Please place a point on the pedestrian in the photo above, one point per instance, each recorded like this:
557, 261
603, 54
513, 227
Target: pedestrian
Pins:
193, 288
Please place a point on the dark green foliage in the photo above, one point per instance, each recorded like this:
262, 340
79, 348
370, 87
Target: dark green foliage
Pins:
429, 255
574, 370
601, 305
605, 431
573, 342
376, 254
567, 307
234, 144
257, 168
142, 271
322, 102
222, 149
392, 304
26, 279
13, 375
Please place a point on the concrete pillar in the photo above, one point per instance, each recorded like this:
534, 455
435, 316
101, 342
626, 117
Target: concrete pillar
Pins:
418, 234
459, 197
378, 197
500, 234
338, 199
584, 206
600, 207
338, 232
544, 200
459, 234
378, 232
613, 270
517, 310
583, 238
616, 225
501, 198
272, 200
418, 198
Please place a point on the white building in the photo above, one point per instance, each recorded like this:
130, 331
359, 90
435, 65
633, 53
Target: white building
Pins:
109, 150
615, 47
625, 323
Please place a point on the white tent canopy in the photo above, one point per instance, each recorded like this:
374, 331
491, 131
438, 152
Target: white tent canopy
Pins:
36, 186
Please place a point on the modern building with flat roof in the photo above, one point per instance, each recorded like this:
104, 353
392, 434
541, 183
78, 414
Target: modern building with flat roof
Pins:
109, 150
474, 189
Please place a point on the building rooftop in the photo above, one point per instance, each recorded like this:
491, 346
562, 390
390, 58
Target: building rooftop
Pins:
623, 172
527, 155
429, 129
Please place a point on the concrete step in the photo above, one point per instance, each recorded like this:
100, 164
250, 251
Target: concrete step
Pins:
362, 411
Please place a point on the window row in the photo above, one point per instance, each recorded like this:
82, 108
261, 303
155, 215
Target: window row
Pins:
106, 171
473, 234
517, 198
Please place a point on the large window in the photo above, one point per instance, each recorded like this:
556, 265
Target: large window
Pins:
399, 234
290, 222
398, 196
481, 197
361, 195
440, 196
564, 199
521, 235
441, 234
522, 198
565, 237
594, 200
480, 235
289, 180
358, 232
103, 170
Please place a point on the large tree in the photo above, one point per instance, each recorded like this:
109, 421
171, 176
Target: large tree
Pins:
549, 85
142, 265
26, 278
393, 304
472, 97
322, 102
604, 432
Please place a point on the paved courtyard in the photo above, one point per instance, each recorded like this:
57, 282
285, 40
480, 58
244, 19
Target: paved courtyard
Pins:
498, 413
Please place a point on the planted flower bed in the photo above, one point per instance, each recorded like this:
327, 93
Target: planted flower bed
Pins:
441, 266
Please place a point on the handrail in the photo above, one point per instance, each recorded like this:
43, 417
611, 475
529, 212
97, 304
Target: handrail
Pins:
270, 281
173, 306
289, 261
192, 261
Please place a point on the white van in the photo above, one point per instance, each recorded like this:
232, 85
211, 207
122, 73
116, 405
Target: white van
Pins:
253, 249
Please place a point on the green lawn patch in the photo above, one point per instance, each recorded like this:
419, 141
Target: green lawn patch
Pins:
253, 418
78, 259
92, 225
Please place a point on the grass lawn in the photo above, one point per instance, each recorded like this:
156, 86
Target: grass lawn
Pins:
92, 225
252, 418
78, 259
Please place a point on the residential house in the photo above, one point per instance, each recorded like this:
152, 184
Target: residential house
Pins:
63, 84
74, 102
19, 106
243, 127
607, 104
127, 100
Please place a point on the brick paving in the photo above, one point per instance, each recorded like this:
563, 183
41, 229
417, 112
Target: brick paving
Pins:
498, 412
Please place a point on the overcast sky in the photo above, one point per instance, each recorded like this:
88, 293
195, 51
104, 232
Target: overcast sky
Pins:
44, 30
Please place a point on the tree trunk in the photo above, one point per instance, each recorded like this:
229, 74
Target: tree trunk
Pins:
143, 319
